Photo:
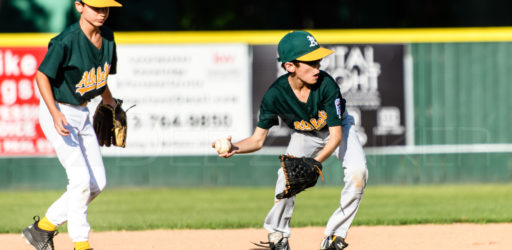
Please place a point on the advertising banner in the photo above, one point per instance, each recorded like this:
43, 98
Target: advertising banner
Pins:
371, 79
20, 133
186, 96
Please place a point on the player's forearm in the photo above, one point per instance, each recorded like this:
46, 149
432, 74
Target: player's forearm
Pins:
45, 89
326, 152
335, 135
107, 98
247, 145
252, 143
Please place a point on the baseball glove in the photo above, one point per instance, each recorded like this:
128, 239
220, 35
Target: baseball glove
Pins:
300, 173
110, 124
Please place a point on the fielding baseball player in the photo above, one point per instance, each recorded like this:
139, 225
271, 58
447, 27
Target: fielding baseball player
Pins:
75, 70
309, 101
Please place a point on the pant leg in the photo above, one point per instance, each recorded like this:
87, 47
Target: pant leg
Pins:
353, 160
73, 204
92, 152
279, 217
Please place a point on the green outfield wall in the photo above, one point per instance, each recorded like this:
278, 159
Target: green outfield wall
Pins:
461, 122
462, 93
260, 170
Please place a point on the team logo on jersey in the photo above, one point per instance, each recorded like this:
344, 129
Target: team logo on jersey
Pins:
337, 104
313, 123
93, 79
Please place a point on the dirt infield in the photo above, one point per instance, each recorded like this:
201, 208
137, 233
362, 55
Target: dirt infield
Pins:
418, 237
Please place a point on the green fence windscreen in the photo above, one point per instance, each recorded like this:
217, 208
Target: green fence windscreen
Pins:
462, 93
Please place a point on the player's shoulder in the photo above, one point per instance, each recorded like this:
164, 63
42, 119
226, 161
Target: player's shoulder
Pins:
279, 84
327, 81
326, 77
67, 36
277, 88
107, 33
68, 33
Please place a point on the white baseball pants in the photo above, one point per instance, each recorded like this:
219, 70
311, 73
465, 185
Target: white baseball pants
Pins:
352, 158
80, 155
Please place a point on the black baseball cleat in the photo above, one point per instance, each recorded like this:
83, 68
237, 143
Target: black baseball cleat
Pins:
333, 242
39, 238
276, 241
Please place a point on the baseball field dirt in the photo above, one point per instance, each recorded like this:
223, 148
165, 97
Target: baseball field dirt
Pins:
417, 237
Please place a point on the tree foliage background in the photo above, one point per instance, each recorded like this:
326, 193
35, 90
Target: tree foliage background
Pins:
178, 15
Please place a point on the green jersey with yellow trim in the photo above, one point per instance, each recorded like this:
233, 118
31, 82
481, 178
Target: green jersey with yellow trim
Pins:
324, 106
78, 70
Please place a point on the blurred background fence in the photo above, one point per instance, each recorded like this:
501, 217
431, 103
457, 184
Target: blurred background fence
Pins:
431, 105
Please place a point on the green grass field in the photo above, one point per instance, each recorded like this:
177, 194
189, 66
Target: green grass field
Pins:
215, 208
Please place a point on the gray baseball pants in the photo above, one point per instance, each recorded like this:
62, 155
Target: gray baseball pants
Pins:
351, 155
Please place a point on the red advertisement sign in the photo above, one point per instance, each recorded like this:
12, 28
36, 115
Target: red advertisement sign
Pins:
20, 133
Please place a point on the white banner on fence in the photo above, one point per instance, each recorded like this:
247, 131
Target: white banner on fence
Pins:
186, 96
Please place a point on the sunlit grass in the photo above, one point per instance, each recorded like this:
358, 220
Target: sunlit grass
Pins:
143, 209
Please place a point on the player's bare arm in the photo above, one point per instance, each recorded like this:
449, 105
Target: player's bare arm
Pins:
335, 135
250, 144
59, 120
107, 98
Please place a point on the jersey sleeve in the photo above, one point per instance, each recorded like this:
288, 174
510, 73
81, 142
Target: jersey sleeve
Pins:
113, 68
268, 116
53, 59
334, 103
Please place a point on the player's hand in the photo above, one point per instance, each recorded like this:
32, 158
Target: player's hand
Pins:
224, 152
109, 101
231, 151
60, 123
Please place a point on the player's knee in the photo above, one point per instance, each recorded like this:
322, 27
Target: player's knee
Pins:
358, 176
98, 188
81, 188
102, 185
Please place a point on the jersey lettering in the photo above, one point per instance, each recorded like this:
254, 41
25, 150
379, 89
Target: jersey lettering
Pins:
313, 123
93, 79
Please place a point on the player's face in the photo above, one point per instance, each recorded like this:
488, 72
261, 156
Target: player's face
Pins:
93, 15
308, 71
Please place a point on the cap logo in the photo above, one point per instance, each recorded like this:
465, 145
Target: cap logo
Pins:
312, 41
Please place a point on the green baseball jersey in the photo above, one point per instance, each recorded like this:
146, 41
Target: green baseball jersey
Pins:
78, 70
324, 106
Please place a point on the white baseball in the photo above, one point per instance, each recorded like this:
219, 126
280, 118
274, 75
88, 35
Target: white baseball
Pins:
222, 146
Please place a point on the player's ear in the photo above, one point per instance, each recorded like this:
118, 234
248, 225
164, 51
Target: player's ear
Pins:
289, 66
79, 6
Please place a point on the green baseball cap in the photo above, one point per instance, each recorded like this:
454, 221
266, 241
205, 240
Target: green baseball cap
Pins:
301, 46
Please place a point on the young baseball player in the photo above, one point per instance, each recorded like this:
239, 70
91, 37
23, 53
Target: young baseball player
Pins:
308, 100
75, 70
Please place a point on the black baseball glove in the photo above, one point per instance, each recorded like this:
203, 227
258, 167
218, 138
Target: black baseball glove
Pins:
110, 124
300, 173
